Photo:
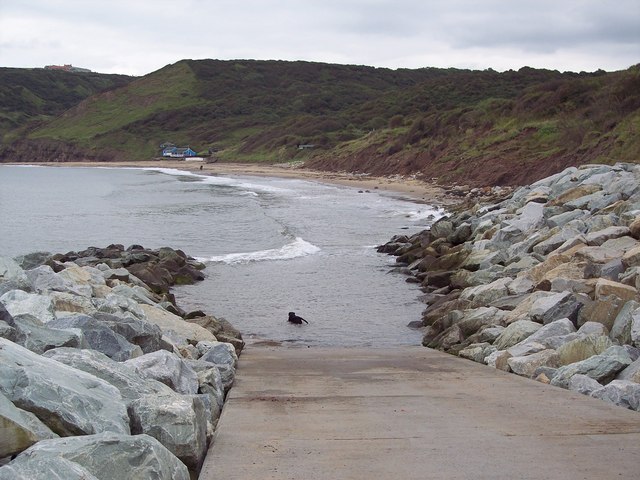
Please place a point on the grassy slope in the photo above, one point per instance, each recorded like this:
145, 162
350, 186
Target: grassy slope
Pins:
32, 96
456, 125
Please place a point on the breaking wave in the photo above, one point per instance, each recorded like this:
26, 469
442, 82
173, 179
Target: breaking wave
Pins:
295, 249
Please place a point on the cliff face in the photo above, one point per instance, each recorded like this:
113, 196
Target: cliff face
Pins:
457, 126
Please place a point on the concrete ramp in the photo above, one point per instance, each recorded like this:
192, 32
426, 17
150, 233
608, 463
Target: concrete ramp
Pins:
410, 413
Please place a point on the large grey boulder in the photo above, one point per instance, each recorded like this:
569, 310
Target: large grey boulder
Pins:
515, 333
138, 332
18, 302
39, 337
103, 456
45, 280
483, 295
125, 378
631, 373
167, 368
601, 368
626, 327
218, 353
583, 384
620, 392
19, 429
48, 468
554, 307
67, 400
12, 273
563, 326
100, 337
179, 422
121, 306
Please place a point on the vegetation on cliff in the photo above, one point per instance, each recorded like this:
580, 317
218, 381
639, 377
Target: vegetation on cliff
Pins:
474, 127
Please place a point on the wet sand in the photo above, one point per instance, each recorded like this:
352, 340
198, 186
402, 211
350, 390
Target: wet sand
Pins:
406, 187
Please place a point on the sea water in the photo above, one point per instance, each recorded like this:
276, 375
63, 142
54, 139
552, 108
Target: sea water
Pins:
271, 245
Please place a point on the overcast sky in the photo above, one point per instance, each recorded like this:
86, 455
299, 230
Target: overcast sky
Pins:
139, 36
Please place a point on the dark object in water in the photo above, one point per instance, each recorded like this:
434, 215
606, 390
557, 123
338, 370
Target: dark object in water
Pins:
293, 318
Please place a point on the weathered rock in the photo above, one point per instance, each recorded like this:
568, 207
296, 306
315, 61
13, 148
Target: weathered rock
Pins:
634, 228
631, 258
582, 348
631, 373
527, 365
100, 456
563, 326
167, 368
218, 353
526, 348
556, 306
179, 422
126, 379
39, 337
210, 383
121, 306
168, 321
221, 329
65, 303
18, 302
498, 360
593, 328
138, 332
603, 311
11, 272
515, 333
100, 337
19, 429
601, 368
628, 319
601, 236
67, 400
620, 392
477, 352
483, 295
583, 384
606, 288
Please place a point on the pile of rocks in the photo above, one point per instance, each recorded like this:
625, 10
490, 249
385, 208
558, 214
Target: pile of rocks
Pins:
543, 284
101, 374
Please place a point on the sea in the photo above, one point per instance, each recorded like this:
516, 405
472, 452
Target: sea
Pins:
270, 245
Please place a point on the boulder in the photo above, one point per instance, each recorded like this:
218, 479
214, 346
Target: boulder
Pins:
606, 288
65, 303
602, 368
221, 329
593, 328
100, 337
167, 368
179, 422
100, 456
39, 337
498, 360
527, 365
563, 326
601, 236
126, 379
603, 310
138, 332
555, 306
477, 352
483, 295
210, 383
582, 348
67, 400
18, 302
583, 384
628, 319
168, 321
121, 306
218, 353
19, 429
620, 392
11, 272
515, 333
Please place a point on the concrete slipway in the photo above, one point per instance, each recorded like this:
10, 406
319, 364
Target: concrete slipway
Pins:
410, 413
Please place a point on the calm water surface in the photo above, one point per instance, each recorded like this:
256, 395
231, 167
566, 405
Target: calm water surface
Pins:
271, 245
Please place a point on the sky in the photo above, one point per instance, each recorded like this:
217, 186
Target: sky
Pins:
137, 37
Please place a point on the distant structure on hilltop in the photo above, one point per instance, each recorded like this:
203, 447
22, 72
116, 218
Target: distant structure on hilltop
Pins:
67, 68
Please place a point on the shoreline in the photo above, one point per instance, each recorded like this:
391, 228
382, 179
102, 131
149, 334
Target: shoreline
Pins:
409, 188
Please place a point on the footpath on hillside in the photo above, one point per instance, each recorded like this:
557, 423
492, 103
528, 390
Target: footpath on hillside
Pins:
410, 413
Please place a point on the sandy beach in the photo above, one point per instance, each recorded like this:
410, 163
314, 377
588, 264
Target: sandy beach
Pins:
406, 187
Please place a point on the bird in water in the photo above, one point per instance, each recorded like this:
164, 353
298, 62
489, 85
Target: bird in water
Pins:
293, 318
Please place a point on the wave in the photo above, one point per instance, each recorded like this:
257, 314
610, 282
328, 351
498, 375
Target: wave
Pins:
295, 249
224, 181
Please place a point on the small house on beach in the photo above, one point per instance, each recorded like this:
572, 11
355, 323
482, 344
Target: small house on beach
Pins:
172, 151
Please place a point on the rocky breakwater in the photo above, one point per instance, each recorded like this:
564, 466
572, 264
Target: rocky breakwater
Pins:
543, 284
102, 375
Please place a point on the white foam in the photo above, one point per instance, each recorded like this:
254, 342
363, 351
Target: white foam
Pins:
228, 181
295, 249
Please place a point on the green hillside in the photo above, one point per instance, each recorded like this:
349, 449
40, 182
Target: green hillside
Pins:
29, 97
476, 127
